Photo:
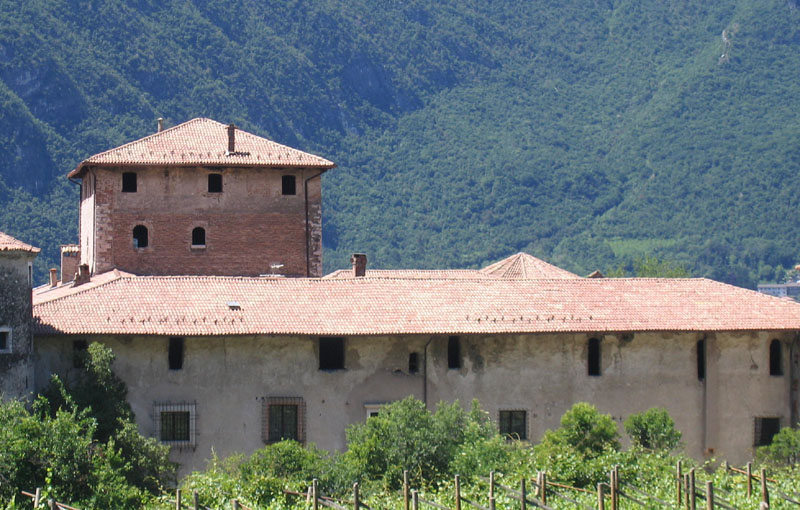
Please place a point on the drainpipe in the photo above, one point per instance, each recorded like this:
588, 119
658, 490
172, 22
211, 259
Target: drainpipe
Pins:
308, 228
425, 373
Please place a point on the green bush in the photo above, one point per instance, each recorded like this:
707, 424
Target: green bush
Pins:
784, 450
653, 430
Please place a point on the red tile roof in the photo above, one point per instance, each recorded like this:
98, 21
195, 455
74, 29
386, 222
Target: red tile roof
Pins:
8, 243
523, 265
198, 306
414, 274
204, 142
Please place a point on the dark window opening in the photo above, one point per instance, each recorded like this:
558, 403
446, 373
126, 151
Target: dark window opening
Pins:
765, 430
701, 360
80, 353
5, 340
775, 358
413, 363
454, 352
331, 353
514, 424
593, 364
140, 236
129, 182
215, 183
288, 185
175, 426
283, 422
198, 236
175, 354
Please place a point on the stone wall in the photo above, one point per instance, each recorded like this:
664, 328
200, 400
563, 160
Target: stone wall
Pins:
16, 362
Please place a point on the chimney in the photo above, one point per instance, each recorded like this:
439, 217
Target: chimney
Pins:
231, 138
359, 261
82, 276
70, 258
160, 124
53, 276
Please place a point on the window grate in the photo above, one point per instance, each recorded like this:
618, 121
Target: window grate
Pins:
175, 423
283, 418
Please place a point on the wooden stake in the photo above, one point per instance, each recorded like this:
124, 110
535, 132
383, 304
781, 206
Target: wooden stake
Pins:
314, 495
692, 494
749, 479
544, 487
405, 489
678, 482
524, 492
601, 504
177, 499
491, 490
686, 490
235, 504
616, 486
709, 496
764, 490
458, 492
611, 490
415, 499
355, 496
195, 501
51, 504
37, 497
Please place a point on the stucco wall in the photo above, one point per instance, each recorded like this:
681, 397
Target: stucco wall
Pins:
16, 366
249, 226
541, 374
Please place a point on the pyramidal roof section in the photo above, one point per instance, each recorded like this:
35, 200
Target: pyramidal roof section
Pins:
8, 243
524, 266
204, 142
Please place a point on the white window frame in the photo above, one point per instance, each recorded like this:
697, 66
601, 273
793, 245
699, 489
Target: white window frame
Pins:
176, 407
373, 407
8, 349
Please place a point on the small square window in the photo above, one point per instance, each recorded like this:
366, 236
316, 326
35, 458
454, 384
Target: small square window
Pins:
765, 430
5, 339
288, 185
331, 353
373, 410
215, 183
284, 418
129, 182
175, 423
514, 424
80, 352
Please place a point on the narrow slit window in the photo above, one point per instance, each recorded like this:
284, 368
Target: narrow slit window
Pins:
413, 363
215, 183
140, 236
80, 351
288, 185
454, 352
198, 236
775, 358
331, 353
129, 182
701, 360
593, 364
175, 353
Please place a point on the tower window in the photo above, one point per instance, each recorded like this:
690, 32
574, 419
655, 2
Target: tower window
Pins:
593, 365
331, 353
701, 360
288, 185
775, 358
215, 183
140, 236
413, 363
198, 236
129, 182
175, 353
454, 352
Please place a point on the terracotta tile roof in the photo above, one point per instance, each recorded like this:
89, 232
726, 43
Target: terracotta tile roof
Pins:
8, 243
523, 265
414, 274
204, 142
198, 306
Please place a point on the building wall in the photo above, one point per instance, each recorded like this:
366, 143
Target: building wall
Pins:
250, 226
229, 378
16, 361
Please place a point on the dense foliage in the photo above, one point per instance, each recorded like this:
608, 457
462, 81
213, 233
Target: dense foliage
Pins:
653, 430
588, 134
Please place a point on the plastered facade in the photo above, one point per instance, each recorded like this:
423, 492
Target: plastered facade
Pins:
251, 227
228, 379
16, 359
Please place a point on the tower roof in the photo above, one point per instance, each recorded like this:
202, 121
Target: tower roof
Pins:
203, 141
8, 243
522, 265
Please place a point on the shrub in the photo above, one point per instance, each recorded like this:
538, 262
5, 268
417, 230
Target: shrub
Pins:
653, 430
784, 450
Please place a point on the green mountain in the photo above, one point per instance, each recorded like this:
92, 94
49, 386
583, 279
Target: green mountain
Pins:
586, 133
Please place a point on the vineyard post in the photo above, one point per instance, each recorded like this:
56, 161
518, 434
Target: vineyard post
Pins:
678, 482
458, 492
523, 491
177, 499
51, 504
616, 486
544, 487
709, 495
195, 500
692, 491
686, 490
235, 504
37, 497
415, 499
491, 490
601, 504
749, 479
405, 489
355, 496
764, 490
612, 492
314, 495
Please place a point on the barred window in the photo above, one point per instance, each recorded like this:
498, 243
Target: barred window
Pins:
175, 423
765, 430
514, 424
283, 418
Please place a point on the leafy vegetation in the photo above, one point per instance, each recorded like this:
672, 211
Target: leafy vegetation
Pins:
653, 430
588, 135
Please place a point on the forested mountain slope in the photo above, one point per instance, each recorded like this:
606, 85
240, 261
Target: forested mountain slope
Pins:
586, 133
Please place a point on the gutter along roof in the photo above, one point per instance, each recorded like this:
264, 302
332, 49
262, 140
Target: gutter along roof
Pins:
204, 306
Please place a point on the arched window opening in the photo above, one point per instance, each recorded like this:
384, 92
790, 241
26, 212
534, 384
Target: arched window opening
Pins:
593, 365
140, 236
198, 236
775, 358
701, 360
